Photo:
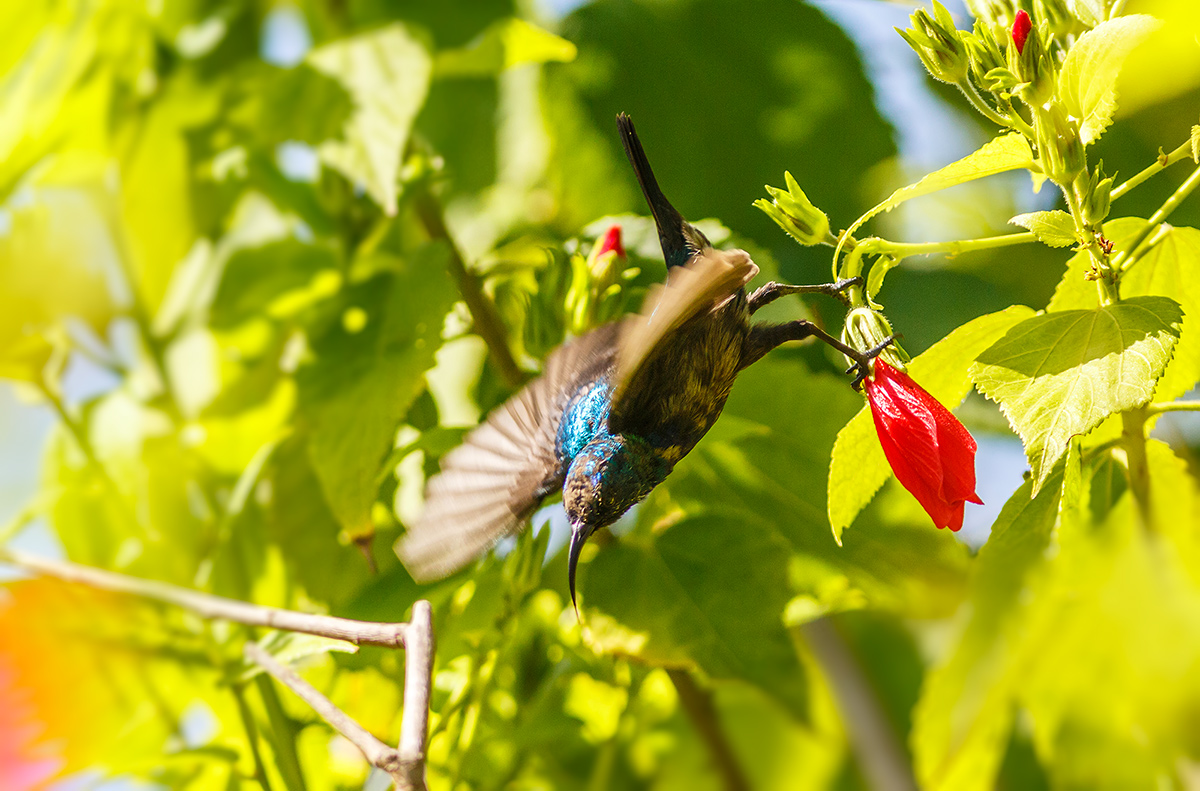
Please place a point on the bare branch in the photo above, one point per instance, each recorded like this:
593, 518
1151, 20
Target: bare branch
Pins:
418, 683
376, 752
206, 605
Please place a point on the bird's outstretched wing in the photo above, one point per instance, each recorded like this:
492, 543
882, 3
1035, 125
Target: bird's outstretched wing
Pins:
495, 480
702, 285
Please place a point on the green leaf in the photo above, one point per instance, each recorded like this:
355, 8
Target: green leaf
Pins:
1060, 374
386, 72
1087, 84
366, 379
858, 467
299, 103
156, 186
962, 720
506, 43
1053, 228
1170, 269
670, 604
268, 279
1007, 152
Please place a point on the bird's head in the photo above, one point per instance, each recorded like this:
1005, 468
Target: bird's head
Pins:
607, 478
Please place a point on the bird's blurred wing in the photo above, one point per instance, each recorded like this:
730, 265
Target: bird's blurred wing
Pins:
703, 284
495, 480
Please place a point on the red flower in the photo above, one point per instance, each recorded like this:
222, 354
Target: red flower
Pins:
1020, 30
931, 453
612, 241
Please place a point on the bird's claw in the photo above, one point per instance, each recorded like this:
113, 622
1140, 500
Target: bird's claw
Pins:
862, 363
839, 288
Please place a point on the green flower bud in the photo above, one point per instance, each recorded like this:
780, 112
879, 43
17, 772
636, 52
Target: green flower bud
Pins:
865, 329
1096, 192
1060, 151
794, 212
983, 54
938, 43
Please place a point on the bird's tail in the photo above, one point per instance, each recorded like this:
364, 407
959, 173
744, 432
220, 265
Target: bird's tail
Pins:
669, 221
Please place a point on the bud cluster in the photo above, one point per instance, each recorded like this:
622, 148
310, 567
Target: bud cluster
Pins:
938, 43
1008, 67
595, 287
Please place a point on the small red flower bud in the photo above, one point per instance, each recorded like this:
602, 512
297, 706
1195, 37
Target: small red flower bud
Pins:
1020, 30
612, 241
930, 452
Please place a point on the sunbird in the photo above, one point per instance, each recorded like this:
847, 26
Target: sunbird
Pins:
616, 409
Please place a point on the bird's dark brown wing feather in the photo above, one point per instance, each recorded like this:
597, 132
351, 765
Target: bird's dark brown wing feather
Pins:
704, 283
495, 480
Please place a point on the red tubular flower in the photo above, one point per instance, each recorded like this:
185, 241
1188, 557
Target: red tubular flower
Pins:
1020, 30
611, 241
931, 453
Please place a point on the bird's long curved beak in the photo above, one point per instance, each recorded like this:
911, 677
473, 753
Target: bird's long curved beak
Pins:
579, 537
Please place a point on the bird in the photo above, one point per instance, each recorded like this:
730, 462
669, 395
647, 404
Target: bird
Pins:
615, 409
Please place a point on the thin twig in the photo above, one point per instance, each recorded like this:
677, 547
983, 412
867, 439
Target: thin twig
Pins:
376, 752
206, 605
1135, 250
487, 321
1173, 406
879, 752
700, 710
1178, 155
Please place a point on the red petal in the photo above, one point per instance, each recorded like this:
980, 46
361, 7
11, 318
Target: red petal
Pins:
908, 433
612, 241
931, 453
1022, 24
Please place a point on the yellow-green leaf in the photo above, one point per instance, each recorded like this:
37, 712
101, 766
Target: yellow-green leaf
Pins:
506, 43
1052, 228
1059, 375
386, 72
1007, 152
1087, 84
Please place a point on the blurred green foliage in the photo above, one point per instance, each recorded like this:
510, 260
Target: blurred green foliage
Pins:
261, 252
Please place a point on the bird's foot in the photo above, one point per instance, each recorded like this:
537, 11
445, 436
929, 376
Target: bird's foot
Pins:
840, 288
862, 361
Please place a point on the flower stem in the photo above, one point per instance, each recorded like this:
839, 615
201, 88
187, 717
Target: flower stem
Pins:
986, 110
1159, 165
955, 247
1133, 437
1173, 406
1135, 250
1101, 271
